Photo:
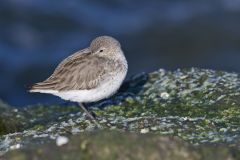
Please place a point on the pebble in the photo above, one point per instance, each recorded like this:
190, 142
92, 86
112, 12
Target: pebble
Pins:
154, 128
61, 140
75, 130
164, 95
223, 130
16, 146
144, 130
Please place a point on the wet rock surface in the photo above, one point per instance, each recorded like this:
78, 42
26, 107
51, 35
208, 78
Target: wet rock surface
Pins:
123, 145
200, 107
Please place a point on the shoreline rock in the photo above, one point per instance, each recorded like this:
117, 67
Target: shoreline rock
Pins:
124, 145
199, 106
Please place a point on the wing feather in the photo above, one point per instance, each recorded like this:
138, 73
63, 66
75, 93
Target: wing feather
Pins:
77, 72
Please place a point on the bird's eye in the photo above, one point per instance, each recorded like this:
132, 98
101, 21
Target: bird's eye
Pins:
101, 50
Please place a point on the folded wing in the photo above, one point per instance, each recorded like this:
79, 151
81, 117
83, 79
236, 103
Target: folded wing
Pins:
77, 72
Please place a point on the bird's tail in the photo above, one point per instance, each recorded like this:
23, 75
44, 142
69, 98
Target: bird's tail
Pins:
42, 87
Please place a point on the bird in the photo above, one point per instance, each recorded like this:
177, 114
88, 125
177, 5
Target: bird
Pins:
88, 75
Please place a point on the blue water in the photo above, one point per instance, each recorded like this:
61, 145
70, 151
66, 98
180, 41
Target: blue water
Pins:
36, 35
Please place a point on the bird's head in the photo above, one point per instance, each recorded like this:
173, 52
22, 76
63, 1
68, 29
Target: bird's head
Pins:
105, 46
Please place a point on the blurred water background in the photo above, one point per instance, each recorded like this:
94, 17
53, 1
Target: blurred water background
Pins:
36, 35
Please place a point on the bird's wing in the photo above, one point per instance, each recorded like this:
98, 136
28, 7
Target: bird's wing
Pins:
77, 72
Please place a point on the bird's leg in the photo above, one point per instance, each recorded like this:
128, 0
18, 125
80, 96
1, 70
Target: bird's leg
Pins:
89, 114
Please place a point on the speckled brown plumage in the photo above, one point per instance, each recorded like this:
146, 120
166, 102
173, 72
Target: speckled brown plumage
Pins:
79, 71
88, 75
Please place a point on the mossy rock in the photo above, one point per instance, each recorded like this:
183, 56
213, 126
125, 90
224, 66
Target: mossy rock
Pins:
199, 106
10, 121
118, 145
7, 127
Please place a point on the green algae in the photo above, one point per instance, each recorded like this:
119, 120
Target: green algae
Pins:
7, 127
10, 121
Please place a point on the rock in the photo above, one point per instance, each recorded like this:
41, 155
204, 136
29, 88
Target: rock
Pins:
119, 145
10, 120
199, 106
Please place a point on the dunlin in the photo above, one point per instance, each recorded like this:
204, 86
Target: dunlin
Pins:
89, 75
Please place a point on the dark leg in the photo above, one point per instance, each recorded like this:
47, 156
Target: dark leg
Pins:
89, 114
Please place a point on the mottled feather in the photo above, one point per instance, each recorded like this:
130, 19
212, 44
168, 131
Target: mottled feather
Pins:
77, 72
